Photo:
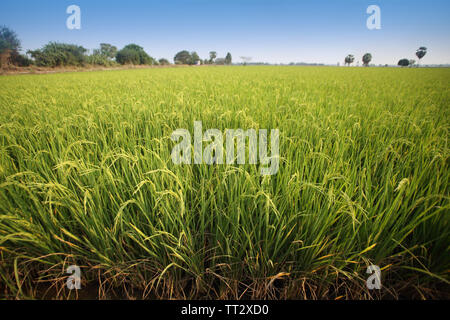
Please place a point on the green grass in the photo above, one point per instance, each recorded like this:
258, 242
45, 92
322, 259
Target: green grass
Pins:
86, 178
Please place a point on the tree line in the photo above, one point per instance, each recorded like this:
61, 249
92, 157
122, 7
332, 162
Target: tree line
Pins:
420, 53
55, 54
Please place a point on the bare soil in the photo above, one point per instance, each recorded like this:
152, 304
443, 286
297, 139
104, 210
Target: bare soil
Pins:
13, 70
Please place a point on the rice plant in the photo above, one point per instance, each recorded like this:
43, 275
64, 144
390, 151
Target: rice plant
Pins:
86, 178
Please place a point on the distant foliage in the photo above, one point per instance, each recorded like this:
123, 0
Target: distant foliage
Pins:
9, 47
134, 54
108, 50
403, 62
349, 59
366, 59
56, 54
195, 59
103, 56
100, 60
190, 58
8, 40
228, 58
212, 56
20, 60
163, 61
220, 61
128, 56
183, 57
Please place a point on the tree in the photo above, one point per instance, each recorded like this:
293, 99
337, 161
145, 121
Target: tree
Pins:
133, 54
144, 58
195, 59
103, 56
403, 62
20, 60
366, 59
108, 50
349, 59
56, 54
182, 57
9, 44
220, 61
228, 58
212, 56
128, 56
411, 62
246, 59
163, 62
421, 52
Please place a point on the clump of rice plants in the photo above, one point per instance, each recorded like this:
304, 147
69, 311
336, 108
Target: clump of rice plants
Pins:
86, 178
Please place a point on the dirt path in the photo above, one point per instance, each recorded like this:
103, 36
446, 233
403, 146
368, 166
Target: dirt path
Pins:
43, 70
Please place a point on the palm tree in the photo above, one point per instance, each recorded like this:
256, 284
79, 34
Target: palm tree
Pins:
420, 53
366, 59
212, 56
349, 59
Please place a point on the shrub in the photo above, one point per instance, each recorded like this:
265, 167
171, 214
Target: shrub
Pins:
20, 60
183, 57
134, 54
163, 61
56, 54
100, 60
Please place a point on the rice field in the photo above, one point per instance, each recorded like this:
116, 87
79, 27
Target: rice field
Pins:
87, 179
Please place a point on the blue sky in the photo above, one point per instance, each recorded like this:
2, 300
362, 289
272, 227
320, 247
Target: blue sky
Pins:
277, 31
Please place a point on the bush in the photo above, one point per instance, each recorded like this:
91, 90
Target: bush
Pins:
20, 60
56, 54
128, 56
183, 57
134, 54
163, 62
100, 60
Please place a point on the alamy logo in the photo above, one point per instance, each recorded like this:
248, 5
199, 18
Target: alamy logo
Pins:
374, 20
374, 281
74, 280
214, 151
74, 20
